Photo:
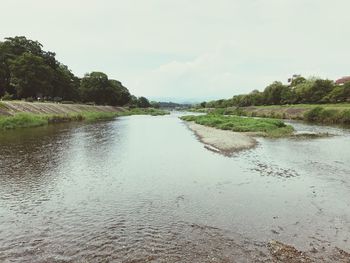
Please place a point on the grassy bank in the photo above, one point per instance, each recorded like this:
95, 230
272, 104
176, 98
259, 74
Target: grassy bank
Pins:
27, 120
316, 113
265, 127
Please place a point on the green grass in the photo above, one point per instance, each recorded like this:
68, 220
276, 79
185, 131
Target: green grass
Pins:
268, 127
22, 120
2, 105
27, 120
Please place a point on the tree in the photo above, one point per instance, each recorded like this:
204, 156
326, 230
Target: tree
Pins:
155, 104
122, 93
15, 50
339, 94
297, 81
93, 87
272, 93
30, 76
142, 102
287, 95
96, 87
65, 84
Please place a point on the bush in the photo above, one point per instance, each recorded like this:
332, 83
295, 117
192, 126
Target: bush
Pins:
345, 117
313, 114
7, 96
57, 99
29, 99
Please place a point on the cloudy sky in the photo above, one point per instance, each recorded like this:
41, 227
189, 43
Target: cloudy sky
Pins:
189, 49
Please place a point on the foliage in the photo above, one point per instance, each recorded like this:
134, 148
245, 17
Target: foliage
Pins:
270, 127
27, 71
324, 115
320, 113
300, 90
96, 87
142, 102
7, 96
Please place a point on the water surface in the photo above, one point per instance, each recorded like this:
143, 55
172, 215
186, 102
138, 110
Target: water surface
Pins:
142, 188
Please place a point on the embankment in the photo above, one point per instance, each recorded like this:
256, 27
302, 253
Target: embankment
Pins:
11, 108
26, 114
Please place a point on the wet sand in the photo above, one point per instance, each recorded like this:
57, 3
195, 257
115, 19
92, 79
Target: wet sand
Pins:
225, 142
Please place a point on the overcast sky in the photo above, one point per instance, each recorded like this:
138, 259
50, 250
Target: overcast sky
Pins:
189, 49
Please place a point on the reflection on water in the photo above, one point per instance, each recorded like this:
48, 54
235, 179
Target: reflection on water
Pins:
143, 188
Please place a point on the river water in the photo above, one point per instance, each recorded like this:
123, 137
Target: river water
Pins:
144, 189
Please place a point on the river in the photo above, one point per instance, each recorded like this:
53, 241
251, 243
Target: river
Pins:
144, 189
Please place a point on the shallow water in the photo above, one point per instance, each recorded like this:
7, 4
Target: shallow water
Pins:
142, 188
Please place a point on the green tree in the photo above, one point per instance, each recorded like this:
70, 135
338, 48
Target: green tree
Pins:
65, 84
30, 76
142, 102
122, 94
96, 87
297, 81
272, 93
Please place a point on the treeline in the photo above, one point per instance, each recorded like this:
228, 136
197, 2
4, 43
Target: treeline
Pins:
300, 90
28, 72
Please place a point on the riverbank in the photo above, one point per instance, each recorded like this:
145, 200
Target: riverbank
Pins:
10, 108
24, 115
315, 113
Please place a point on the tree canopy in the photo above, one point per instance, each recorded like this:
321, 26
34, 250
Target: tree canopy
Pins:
300, 90
27, 71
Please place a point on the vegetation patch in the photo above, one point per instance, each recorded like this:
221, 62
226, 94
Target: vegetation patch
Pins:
22, 120
27, 120
328, 115
267, 127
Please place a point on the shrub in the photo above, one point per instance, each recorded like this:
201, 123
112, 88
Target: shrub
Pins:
29, 99
313, 114
57, 99
7, 96
345, 117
